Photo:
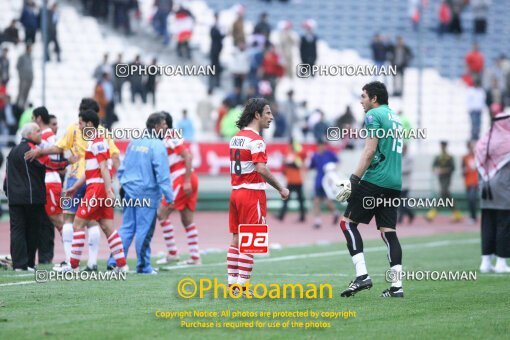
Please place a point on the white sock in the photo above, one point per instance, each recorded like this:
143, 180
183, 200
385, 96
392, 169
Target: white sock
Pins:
67, 239
486, 260
500, 262
94, 237
359, 264
397, 269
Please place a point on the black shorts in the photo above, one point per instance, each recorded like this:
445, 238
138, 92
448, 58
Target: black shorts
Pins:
358, 207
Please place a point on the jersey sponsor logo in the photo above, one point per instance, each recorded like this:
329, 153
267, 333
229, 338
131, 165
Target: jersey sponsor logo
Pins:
369, 119
253, 238
259, 147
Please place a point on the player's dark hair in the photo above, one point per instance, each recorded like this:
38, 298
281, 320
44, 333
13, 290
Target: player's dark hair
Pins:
88, 104
153, 120
53, 117
168, 118
90, 116
253, 105
376, 88
42, 112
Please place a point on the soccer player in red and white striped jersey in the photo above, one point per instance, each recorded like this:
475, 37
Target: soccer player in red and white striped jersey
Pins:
185, 187
98, 172
53, 181
249, 175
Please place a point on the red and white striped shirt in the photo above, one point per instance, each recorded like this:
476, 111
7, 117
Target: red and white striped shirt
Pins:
48, 140
97, 151
247, 148
174, 150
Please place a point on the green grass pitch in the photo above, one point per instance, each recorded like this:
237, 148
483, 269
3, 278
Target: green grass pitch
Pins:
126, 309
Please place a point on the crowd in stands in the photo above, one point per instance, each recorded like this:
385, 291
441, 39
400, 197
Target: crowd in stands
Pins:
489, 87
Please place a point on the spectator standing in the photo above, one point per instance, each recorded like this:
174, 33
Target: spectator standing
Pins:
160, 19
262, 27
475, 103
308, 45
100, 98
187, 126
26, 76
456, 24
183, 28
217, 36
475, 62
11, 33
109, 109
121, 14
240, 65
10, 120
320, 128
238, 27
272, 67
496, 71
495, 96
52, 19
205, 109
379, 51
102, 68
480, 14
288, 42
136, 81
470, 180
30, 21
118, 82
150, 84
445, 17
4, 66
256, 57
289, 108
401, 56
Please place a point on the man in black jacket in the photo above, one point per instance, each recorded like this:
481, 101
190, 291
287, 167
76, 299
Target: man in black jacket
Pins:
216, 47
26, 193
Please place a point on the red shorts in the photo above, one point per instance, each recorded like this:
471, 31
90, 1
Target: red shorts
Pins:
181, 200
53, 192
94, 211
247, 207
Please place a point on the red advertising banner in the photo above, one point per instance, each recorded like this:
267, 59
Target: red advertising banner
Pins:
213, 158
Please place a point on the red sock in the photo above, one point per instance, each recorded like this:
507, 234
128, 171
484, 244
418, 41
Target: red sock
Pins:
115, 244
192, 234
232, 265
77, 248
168, 234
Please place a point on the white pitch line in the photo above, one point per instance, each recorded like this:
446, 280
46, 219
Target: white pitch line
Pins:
306, 256
335, 253
17, 283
